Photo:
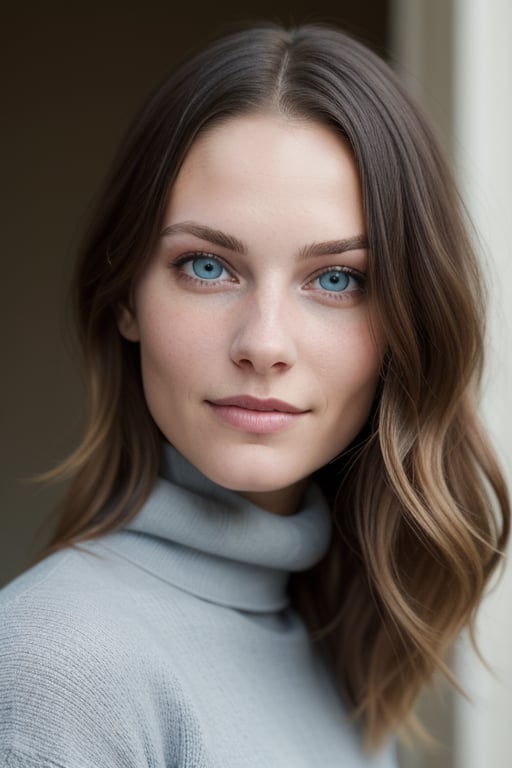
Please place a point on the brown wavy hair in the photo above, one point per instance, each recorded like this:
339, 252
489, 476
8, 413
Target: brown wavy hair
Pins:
420, 506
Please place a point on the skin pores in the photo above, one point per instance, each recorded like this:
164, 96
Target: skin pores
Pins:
259, 361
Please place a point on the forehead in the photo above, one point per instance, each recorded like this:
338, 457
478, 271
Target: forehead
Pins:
266, 163
286, 146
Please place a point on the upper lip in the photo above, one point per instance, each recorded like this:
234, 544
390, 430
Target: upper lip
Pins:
258, 404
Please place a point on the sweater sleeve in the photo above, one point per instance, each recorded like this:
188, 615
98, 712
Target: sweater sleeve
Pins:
67, 693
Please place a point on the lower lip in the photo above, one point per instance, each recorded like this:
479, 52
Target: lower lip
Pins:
257, 422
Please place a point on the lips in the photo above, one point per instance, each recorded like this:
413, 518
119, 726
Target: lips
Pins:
255, 415
256, 404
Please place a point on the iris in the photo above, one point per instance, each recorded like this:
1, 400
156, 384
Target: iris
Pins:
207, 268
334, 280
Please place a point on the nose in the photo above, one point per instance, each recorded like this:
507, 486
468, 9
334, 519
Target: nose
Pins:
262, 339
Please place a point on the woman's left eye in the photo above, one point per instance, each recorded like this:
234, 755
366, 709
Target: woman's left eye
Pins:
338, 280
204, 267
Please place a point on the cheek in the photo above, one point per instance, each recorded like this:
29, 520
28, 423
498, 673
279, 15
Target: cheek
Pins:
353, 385
174, 345
350, 359
167, 374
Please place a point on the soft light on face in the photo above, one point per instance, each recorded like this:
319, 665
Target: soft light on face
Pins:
258, 361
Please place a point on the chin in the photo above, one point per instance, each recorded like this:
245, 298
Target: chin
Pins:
257, 477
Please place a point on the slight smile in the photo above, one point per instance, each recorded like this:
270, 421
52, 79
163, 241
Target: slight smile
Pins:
252, 414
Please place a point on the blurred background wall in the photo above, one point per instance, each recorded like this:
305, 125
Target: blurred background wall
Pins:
73, 75
456, 57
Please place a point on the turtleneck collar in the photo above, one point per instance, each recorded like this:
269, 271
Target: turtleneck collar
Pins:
215, 544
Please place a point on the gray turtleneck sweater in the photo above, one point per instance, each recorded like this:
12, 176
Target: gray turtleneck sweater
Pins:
172, 644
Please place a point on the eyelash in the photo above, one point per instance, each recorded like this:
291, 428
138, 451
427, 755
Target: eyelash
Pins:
355, 274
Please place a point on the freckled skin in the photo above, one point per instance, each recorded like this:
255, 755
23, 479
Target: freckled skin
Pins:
266, 327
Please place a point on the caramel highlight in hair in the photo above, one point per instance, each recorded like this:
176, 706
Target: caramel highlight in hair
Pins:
420, 507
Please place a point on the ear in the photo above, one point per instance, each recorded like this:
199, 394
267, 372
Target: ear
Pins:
127, 323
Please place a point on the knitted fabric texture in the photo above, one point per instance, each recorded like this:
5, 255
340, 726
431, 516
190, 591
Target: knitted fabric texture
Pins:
172, 643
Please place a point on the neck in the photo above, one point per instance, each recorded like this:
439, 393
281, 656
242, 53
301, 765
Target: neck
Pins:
284, 501
219, 545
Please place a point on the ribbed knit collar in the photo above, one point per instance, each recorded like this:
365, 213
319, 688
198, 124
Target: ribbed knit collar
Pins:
213, 543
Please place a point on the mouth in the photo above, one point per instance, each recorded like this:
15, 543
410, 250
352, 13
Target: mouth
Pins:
267, 405
255, 415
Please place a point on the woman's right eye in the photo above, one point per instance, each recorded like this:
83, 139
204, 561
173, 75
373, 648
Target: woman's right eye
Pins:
203, 267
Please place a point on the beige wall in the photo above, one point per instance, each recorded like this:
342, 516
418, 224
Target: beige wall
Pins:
456, 57
483, 126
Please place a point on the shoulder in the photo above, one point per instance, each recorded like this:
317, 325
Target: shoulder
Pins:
61, 604
72, 673
58, 605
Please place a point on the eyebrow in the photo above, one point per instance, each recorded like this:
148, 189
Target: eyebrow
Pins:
358, 242
214, 236
224, 240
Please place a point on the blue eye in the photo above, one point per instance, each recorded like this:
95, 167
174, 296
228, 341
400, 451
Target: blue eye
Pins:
334, 280
201, 268
206, 268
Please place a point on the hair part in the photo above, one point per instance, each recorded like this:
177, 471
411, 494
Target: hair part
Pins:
414, 548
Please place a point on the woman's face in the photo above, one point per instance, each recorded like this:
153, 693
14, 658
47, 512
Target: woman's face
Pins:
258, 360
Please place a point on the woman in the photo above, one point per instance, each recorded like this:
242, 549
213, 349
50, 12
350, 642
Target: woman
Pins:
284, 509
